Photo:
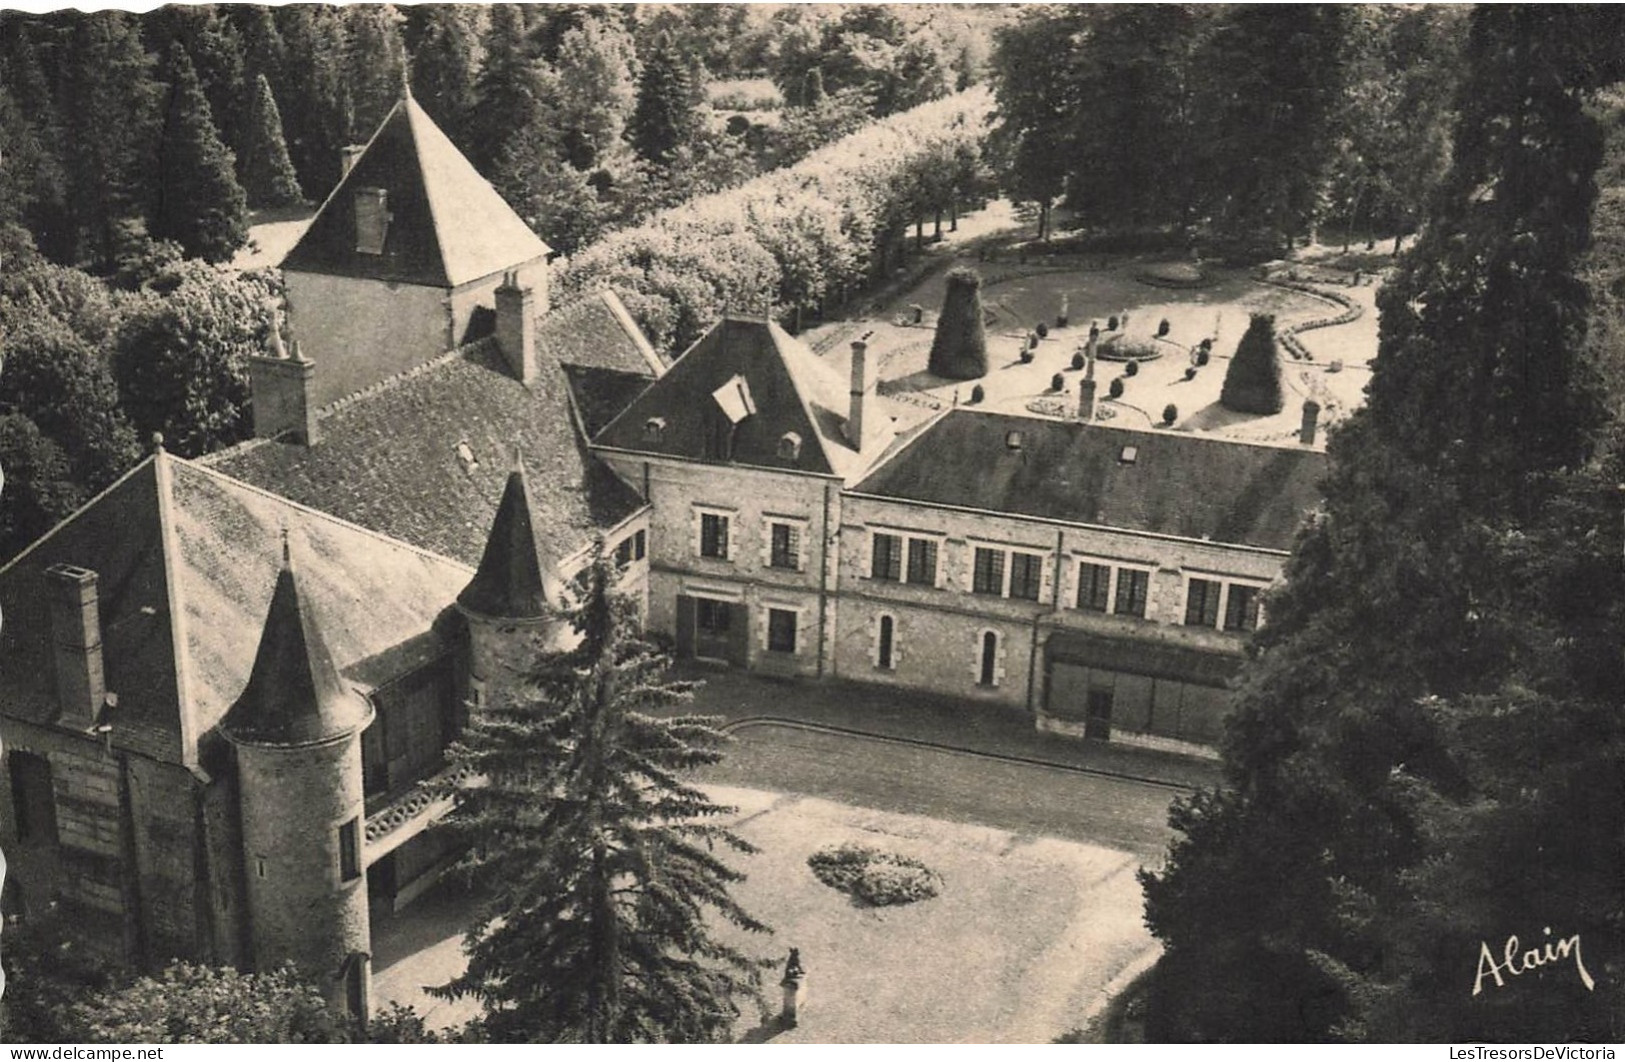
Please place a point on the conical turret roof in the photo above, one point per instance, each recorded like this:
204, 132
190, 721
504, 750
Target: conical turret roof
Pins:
517, 577
294, 694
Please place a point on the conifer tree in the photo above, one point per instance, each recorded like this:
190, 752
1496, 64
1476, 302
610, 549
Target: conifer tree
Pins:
599, 857
1252, 383
310, 93
200, 204
267, 173
666, 117
1427, 750
508, 90
374, 67
445, 67
959, 348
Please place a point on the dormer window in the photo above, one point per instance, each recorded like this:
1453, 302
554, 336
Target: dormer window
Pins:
789, 446
654, 429
371, 220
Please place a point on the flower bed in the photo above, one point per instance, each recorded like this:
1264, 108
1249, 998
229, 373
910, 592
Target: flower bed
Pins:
880, 879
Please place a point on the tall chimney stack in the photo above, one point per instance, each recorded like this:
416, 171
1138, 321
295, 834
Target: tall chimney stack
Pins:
76, 644
516, 327
279, 388
1311, 419
348, 154
861, 385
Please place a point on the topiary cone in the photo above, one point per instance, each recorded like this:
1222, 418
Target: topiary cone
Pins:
959, 349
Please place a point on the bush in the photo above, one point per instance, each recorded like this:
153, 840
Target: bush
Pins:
1170, 413
1205, 346
1202, 356
1026, 355
1162, 328
1078, 360
1057, 382
1111, 323
1042, 329
1190, 373
959, 347
880, 879
977, 394
1116, 388
1132, 368
1252, 384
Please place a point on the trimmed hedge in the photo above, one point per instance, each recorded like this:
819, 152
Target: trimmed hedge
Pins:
1252, 384
880, 879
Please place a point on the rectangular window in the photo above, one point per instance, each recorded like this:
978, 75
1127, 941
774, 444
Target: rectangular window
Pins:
1133, 588
922, 561
1026, 575
712, 617
887, 558
714, 536
33, 798
1094, 586
1241, 608
786, 547
623, 552
781, 630
987, 576
350, 850
1202, 603
640, 545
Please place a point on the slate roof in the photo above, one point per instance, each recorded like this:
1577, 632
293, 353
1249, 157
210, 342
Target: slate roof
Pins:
423, 457
1178, 484
790, 388
188, 560
447, 226
518, 574
294, 694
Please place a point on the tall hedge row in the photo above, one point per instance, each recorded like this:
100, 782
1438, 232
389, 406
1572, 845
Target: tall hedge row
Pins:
791, 239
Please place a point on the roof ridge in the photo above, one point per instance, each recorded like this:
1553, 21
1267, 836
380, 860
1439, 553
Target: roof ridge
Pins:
1202, 436
779, 339
337, 521
170, 556
71, 517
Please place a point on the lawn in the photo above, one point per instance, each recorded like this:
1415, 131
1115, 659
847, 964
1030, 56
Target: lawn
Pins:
1026, 932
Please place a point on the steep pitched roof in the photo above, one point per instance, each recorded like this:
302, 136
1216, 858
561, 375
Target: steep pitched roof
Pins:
447, 225
518, 575
1175, 484
294, 694
423, 457
787, 389
188, 561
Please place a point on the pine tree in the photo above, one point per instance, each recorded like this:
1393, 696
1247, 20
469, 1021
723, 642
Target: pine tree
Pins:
598, 855
1252, 383
200, 204
1427, 752
374, 66
266, 171
812, 87
508, 90
445, 67
959, 348
310, 93
666, 117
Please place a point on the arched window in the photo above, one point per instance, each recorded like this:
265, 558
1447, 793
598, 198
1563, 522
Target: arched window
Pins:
990, 659
883, 654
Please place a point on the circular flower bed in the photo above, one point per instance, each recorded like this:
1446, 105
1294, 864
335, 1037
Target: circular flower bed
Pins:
1122, 348
880, 879
1172, 275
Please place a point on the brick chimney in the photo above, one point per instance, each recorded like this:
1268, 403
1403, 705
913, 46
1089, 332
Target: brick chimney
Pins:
861, 386
279, 386
348, 154
516, 327
76, 644
1311, 419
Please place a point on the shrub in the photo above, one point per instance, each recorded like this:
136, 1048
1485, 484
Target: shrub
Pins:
1162, 328
1078, 360
1057, 382
1032, 340
1111, 323
1205, 346
880, 879
1170, 413
1116, 388
1190, 373
959, 348
1132, 368
1252, 384
977, 394
1042, 329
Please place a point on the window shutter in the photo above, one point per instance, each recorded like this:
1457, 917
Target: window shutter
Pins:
695, 521
767, 543
725, 537
1046, 580
896, 642
798, 547
967, 566
868, 555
